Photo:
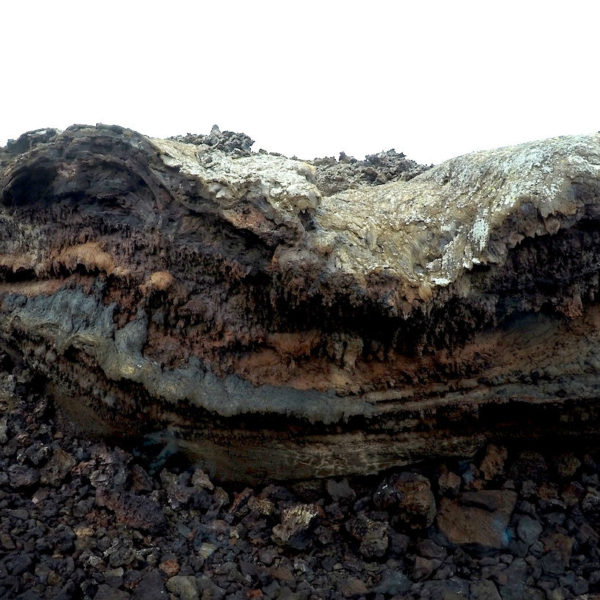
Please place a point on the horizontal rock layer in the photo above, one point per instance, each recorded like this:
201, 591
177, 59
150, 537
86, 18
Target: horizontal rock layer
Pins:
276, 325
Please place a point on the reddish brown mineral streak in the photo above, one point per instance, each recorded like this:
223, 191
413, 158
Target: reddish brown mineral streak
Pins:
276, 329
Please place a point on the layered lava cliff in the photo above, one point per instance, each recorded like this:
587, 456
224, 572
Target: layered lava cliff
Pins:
283, 319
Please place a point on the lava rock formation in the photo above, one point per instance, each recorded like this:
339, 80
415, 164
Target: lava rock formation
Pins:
281, 319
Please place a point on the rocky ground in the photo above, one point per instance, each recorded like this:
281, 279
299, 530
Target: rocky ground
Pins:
331, 175
89, 519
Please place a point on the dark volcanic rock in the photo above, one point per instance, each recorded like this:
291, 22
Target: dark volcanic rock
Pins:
20, 476
372, 535
529, 529
57, 468
340, 491
334, 176
232, 142
484, 590
478, 518
133, 510
151, 587
409, 497
106, 592
245, 309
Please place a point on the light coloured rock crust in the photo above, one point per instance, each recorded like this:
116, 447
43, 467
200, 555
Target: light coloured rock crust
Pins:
470, 210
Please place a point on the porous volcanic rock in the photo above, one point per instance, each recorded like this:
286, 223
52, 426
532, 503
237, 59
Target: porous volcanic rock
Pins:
478, 517
275, 327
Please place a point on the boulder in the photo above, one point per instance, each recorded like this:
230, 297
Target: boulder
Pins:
479, 518
408, 496
372, 535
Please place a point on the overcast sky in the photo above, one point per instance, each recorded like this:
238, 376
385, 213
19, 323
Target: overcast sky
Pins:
431, 79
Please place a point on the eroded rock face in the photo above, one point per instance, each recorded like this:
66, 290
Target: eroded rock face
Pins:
236, 305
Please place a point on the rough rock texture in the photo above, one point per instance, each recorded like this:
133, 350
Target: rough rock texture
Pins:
478, 517
117, 527
229, 303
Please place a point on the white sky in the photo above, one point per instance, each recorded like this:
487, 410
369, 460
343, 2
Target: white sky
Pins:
429, 78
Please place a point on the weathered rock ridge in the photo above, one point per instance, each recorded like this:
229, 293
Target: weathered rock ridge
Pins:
274, 327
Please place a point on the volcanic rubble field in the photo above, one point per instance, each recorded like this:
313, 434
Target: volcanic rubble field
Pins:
87, 519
